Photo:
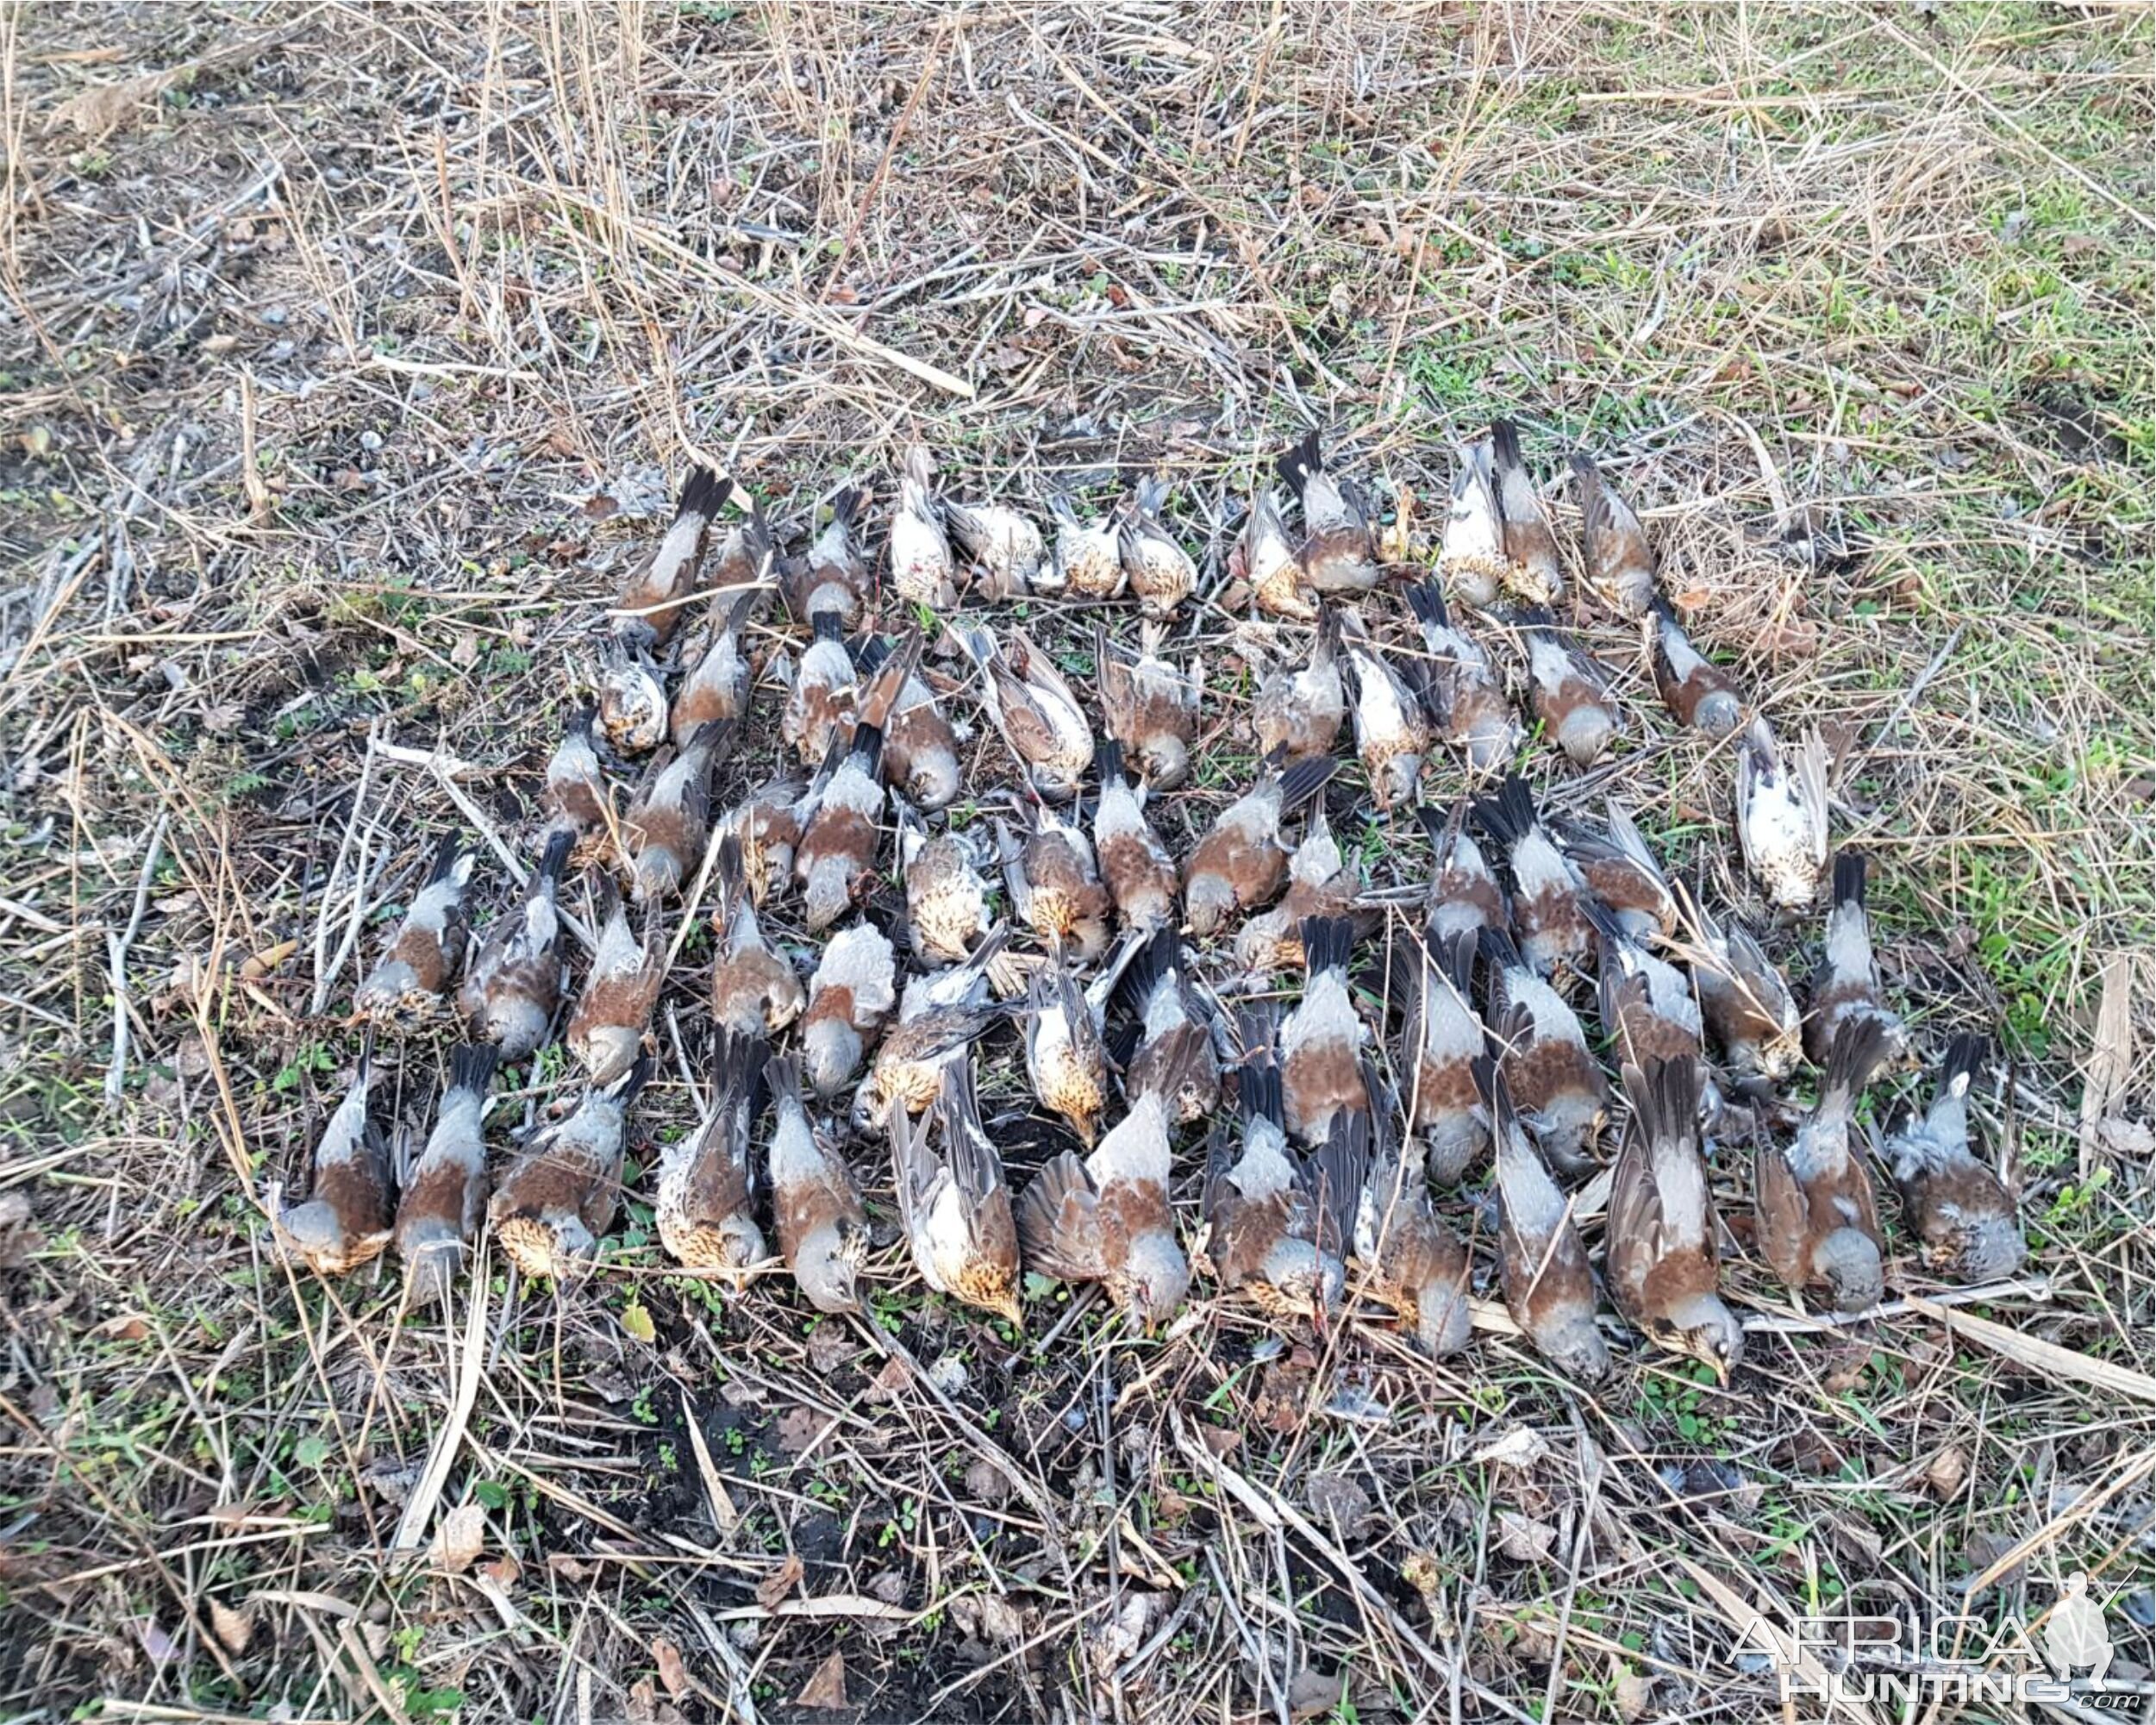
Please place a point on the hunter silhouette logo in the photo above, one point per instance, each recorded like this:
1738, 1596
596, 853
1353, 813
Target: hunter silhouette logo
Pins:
2075, 1637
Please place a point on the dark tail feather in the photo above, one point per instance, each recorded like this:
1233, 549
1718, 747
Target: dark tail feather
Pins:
1328, 626
1434, 823
1426, 600
866, 747
703, 493
827, 626
581, 721
1108, 761
1299, 462
625, 1089
1665, 1099
1328, 942
1965, 1056
1258, 1092
1504, 445
1850, 868
1509, 815
1457, 959
1594, 500
1335, 1172
1305, 780
1158, 957
845, 508
1859, 1047
446, 854
559, 843
472, 1066
1497, 946
869, 657
782, 1077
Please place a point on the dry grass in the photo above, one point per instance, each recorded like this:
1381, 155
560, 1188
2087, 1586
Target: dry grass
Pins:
325, 328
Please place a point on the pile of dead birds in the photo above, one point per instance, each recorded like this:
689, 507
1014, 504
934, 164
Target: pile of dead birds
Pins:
1141, 984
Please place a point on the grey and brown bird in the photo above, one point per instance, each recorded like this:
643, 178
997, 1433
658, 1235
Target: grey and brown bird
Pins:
1004, 548
606, 1031
345, 1221
513, 984
1620, 562
919, 552
1619, 869
554, 1205
815, 1199
1541, 1262
1460, 688
418, 967
1440, 1039
940, 1016
835, 860
1147, 706
821, 700
717, 687
1743, 999
946, 897
1392, 728
1846, 985
1066, 1059
1035, 710
669, 819
766, 825
1415, 1263
1322, 1039
651, 599
1664, 1270
1241, 863
1956, 1208
1549, 913
1265, 557
921, 746
704, 1204
955, 1206
1463, 896
574, 798
1159, 570
1087, 557
1338, 554
1571, 692
1535, 575
1645, 1003
444, 1192
1134, 864
1298, 709
1322, 881
1054, 882
833, 574
851, 997
1175, 1057
1698, 693
1782, 820
1816, 1217
632, 695
753, 984
1551, 1072
1472, 562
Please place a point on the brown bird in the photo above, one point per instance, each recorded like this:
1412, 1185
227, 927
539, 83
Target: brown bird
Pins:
1571, 692
947, 899
1619, 869
670, 817
1299, 710
1472, 562
444, 1191
575, 799
1175, 1058
718, 687
1698, 693
1034, 711
514, 984
833, 574
1548, 1068
1134, 864
744, 556
1159, 570
956, 1208
1620, 561
767, 827
1955, 1205
1339, 550
1054, 883
1065, 1058
631, 694
822, 701
1392, 729
1416, 1264
850, 997
1547, 913
1005, 548
1322, 882
1321, 1042
1464, 896
651, 599
1460, 687
1264, 557
1845, 986
557, 1200
920, 554
835, 860
940, 1016
921, 752
1662, 1266
1148, 706
1089, 559
346, 1220
822, 1229
1441, 1039
1241, 864
1817, 1218
1745, 1003
1530, 546
606, 1031
754, 986
423, 957
706, 1201
1541, 1263
1646, 1005
1782, 816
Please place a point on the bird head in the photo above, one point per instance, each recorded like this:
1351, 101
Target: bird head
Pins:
826, 1267
1154, 1278
1576, 1349
1848, 1261
1712, 1334
830, 1051
610, 1050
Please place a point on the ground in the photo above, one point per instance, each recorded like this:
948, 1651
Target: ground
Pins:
349, 355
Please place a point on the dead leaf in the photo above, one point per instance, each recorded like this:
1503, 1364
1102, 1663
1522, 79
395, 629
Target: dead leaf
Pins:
826, 1686
1336, 1498
1634, 1695
673, 1674
889, 1381
1519, 1446
105, 109
504, 1571
1311, 1692
1523, 1540
2110, 1057
1221, 1439
459, 1539
262, 963
773, 1590
798, 1429
599, 507
829, 1347
568, 1568
1948, 1472
986, 1483
235, 1628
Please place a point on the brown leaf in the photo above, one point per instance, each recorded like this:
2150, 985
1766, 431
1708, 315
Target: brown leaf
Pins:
235, 1628
504, 1571
105, 108
673, 1674
1947, 1472
773, 1590
568, 1568
1634, 1695
459, 1539
798, 1429
1336, 1498
826, 1686
889, 1381
260, 963
1524, 1540
599, 506
1221, 1439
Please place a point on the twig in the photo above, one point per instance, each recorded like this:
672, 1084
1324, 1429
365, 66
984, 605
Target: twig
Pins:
323, 971
411, 1527
116, 949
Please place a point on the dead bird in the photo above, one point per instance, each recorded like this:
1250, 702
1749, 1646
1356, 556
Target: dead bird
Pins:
1035, 710
704, 1204
1817, 1221
1620, 557
1159, 570
1548, 1068
555, 1203
1066, 1059
1299, 710
1241, 864
940, 1016
650, 597
1148, 706
1441, 1039
509, 993
754, 986
850, 998
1338, 553
606, 1031
1005, 548
1460, 687
832, 575
1089, 560
1697, 693
1957, 1207
1392, 730
1175, 1057
1548, 1288
1845, 986
423, 957
1134, 864
946, 898
1743, 999
445, 1190
823, 1228
766, 825
921, 746
1530, 546
1464, 894
718, 687
574, 799
1645, 1003
670, 817
1472, 562
1664, 1270
1571, 692
821, 700
1618, 868
956, 1207
1054, 882
920, 554
1416, 1264
1322, 1040
1782, 816
345, 1221
1322, 882
1264, 557
835, 860
631, 694
1547, 891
